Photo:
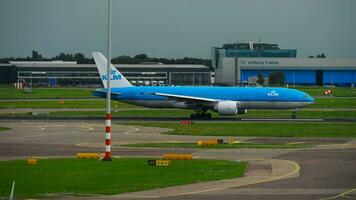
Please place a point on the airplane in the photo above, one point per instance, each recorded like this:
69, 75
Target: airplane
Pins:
223, 100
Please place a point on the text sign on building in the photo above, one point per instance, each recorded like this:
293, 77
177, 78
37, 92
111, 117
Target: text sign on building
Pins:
259, 62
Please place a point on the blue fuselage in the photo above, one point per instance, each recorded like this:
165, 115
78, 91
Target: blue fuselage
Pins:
247, 97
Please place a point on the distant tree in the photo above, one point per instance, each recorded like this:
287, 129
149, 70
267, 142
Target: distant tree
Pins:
61, 56
36, 56
320, 56
141, 56
260, 79
80, 58
276, 78
64, 57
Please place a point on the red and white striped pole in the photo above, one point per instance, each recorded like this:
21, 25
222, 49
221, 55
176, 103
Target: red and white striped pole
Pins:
107, 156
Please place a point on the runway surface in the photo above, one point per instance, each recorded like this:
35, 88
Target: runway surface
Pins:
326, 171
174, 119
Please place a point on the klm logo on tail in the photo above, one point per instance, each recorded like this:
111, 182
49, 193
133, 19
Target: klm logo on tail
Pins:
118, 80
114, 76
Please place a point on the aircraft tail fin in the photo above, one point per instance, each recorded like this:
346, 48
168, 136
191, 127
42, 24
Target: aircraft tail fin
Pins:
117, 79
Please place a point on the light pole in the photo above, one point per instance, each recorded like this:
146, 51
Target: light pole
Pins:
107, 156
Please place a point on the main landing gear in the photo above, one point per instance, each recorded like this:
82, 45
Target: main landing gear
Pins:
294, 114
200, 115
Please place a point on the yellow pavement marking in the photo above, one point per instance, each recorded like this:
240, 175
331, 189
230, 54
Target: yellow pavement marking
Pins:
295, 142
340, 195
344, 145
295, 171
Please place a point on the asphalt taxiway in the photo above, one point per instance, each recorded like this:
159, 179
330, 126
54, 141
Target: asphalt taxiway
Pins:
175, 119
327, 171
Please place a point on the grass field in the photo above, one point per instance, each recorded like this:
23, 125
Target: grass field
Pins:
273, 129
4, 128
58, 93
186, 113
100, 103
337, 92
80, 177
241, 145
46, 93
321, 103
334, 103
95, 103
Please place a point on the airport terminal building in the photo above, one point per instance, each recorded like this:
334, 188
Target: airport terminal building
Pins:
237, 64
59, 73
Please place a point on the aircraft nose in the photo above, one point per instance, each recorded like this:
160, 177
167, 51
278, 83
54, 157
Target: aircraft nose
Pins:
310, 99
307, 98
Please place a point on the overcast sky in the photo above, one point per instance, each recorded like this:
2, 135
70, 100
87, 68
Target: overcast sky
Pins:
176, 28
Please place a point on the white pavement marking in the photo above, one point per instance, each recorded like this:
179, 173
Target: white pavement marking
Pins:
131, 131
49, 132
86, 125
42, 128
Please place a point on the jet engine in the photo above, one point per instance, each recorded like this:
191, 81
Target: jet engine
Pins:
226, 107
229, 108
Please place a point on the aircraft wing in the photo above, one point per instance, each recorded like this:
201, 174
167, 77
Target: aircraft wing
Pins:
187, 98
102, 93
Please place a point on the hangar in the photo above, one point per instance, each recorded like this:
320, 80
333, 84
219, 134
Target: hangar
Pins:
236, 64
60, 73
298, 71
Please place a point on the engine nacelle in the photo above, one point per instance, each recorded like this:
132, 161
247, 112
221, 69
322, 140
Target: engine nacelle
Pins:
226, 107
229, 108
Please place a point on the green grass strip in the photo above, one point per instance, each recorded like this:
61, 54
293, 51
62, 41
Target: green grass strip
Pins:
186, 113
329, 103
273, 129
4, 128
80, 177
97, 103
241, 145
11, 93
337, 92
55, 93
334, 103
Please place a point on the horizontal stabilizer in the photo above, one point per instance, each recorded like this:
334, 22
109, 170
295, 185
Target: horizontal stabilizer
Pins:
102, 93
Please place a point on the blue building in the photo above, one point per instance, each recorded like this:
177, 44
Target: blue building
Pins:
234, 66
297, 71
